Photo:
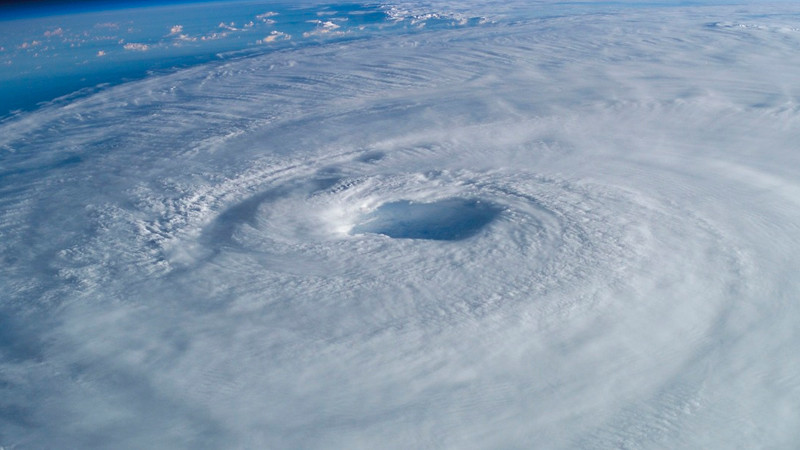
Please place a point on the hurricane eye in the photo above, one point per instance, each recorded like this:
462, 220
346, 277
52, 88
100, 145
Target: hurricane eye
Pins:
444, 220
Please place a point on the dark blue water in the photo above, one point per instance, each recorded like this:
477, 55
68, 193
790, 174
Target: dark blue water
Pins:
44, 56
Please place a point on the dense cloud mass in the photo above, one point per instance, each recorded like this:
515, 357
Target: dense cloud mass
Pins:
575, 229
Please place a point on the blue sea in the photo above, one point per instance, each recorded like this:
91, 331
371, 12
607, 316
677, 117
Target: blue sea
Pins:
46, 54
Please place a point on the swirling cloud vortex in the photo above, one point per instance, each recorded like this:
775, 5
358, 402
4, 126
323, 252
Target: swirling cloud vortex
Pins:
569, 231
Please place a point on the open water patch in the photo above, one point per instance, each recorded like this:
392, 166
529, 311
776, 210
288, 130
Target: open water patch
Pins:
445, 220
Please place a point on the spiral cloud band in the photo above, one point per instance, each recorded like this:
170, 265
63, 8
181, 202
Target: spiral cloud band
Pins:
566, 230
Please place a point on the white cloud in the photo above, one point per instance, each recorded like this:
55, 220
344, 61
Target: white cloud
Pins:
177, 31
266, 15
327, 27
56, 32
214, 36
30, 44
273, 37
136, 47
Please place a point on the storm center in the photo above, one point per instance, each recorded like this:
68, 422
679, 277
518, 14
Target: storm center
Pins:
445, 220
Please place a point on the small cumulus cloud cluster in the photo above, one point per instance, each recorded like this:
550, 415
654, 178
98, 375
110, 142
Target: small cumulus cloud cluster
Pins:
274, 36
324, 27
56, 32
138, 47
266, 17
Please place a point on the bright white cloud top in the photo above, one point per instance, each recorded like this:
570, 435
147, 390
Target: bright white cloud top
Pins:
550, 227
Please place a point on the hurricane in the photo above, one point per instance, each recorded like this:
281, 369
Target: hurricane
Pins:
460, 225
